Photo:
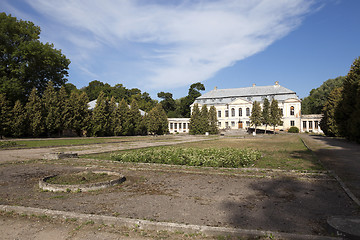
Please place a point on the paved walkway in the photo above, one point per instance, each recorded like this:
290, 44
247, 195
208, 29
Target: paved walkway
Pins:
340, 156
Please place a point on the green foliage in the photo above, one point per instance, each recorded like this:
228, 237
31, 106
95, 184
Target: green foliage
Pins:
132, 122
122, 114
101, 116
293, 130
34, 112
4, 116
18, 120
213, 127
168, 103
156, 120
314, 103
207, 157
6, 144
27, 63
193, 93
204, 119
195, 126
275, 114
348, 110
76, 113
266, 113
256, 115
328, 122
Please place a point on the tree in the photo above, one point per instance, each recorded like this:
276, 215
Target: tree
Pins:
275, 114
168, 103
204, 122
100, 116
77, 114
190, 98
266, 113
52, 112
5, 115
195, 120
122, 113
18, 120
115, 124
213, 121
256, 115
328, 121
348, 111
314, 103
157, 122
132, 123
25, 62
34, 113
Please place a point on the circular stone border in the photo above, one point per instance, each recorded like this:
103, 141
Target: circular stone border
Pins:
81, 187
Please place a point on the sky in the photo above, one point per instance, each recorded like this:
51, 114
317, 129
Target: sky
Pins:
166, 45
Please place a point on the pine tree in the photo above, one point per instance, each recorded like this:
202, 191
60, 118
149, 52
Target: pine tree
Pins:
328, 122
77, 114
52, 112
62, 97
100, 116
5, 116
156, 120
112, 117
195, 120
18, 122
213, 128
204, 122
122, 113
275, 114
256, 115
34, 113
133, 120
266, 113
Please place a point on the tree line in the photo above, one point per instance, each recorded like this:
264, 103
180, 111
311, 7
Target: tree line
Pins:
341, 111
204, 120
57, 112
269, 115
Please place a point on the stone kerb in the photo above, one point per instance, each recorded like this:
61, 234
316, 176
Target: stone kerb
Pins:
81, 187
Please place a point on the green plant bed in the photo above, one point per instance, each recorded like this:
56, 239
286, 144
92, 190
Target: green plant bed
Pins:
80, 178
208, 157
6, 144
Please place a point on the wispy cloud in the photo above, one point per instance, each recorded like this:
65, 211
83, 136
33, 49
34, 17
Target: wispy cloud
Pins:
174, 44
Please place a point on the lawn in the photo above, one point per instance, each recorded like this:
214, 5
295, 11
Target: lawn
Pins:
278, 151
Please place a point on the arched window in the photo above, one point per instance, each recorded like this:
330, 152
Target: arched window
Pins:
240, 112
292, 110
233, 112
247, 111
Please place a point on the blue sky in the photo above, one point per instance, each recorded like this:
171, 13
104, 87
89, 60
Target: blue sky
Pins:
168, 45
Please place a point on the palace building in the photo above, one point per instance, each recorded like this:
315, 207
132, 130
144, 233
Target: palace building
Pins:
234, 107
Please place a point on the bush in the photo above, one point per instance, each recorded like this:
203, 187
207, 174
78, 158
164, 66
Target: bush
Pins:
293, 130
208, 157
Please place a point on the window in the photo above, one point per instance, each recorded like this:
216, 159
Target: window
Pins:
226, 113
175, 125
226, 124
247, 123
282, 111
171, 126
188, 125
247, 111
219, 113
184, 125
310, 124
180, 126
233, 112
233, 124
292, 110
304, 124
219, 124
240, 112
292, 123
316, 124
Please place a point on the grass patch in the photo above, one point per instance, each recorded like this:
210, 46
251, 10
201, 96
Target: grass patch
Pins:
80, 178
7, 144
208, 157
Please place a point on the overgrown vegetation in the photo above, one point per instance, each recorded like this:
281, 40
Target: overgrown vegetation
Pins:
80, 178
6, 144
207, 157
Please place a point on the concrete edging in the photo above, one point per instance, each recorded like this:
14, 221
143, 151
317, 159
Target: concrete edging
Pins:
150, 225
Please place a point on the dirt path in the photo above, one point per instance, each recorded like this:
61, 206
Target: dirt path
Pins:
38, 153
340, 156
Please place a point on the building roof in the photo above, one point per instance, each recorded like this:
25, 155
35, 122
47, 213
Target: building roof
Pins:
254, 93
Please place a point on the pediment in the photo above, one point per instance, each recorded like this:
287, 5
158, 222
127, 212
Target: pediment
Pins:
240, 101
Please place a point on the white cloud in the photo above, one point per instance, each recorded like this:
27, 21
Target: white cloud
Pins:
175, 44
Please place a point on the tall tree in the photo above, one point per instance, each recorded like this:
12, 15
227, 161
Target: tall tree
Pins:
328, 122
35, 114
348, 111
25, 62
275, 114
133, 120
122, 113
77, 114
168, 103
100, 116
256, 116
18, 120
314, 103
213, 128
195, 120
204, 121
266, 113
5, 116
194, 92
157, 122
52, 112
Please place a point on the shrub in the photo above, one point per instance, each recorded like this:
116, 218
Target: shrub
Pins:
293, 130
208, 157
